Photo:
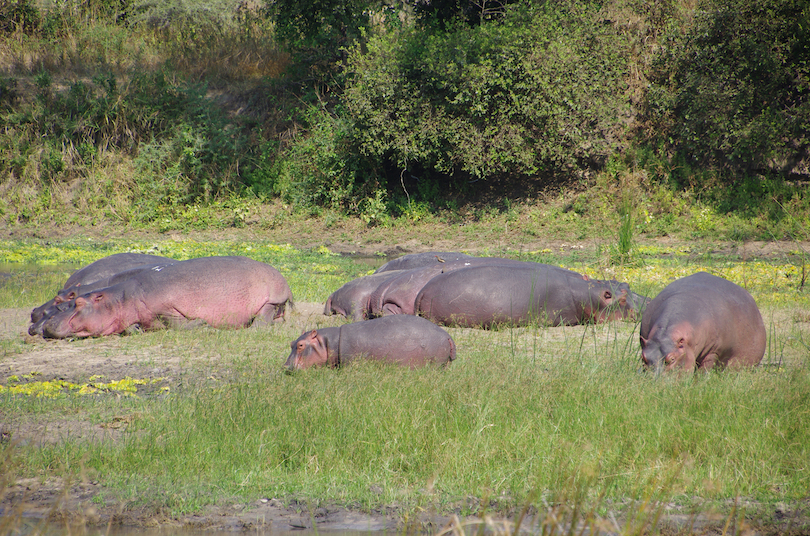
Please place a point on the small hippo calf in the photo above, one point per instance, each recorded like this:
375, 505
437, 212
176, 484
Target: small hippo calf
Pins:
699, 322
402, 339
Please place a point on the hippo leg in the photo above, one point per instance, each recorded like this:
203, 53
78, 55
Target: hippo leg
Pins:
269, 314
709, 362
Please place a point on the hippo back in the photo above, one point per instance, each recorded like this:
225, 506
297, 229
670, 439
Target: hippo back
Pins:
418, 260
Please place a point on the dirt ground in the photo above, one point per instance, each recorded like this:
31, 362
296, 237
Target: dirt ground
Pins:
74, 502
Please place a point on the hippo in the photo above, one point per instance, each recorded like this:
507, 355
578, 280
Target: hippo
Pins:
398, 295
64, 298
700, 322
401, 339
351, 300
97, 271
220, 291
488, 295
111, 265
417, 260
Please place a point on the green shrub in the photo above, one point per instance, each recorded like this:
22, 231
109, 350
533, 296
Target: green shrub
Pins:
542, 89
18, 16
321, 167
731, 90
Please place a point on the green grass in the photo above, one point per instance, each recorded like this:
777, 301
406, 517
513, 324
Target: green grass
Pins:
523, 414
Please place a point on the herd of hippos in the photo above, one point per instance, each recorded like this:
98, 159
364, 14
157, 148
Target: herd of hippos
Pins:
697, 322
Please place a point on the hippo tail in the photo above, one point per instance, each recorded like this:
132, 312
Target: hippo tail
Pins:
452, 349
327, 308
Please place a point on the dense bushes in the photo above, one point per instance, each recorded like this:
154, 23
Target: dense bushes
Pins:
732, 92
543, 88
379, 94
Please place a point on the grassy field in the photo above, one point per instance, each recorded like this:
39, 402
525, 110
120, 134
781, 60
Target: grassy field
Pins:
525, 416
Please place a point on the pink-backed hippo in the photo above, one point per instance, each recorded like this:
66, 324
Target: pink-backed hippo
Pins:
401, 339
351, 299
220, 291
699, 322
64, 298
97, 271
522, 294
418, 260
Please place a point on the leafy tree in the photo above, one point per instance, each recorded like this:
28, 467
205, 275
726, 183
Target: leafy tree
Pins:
733, 92
543, 88
320, 24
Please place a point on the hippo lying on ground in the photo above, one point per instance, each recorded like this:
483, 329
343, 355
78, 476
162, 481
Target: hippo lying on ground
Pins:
699, 322
397, 295
521, 294
351, 300
221, 291
64, 298
401, 339
97, 271
417, 260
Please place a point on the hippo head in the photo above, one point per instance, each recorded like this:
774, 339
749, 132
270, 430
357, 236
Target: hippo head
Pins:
311, 349
89, 315
668, 349
66, 295
609, 300
638, 303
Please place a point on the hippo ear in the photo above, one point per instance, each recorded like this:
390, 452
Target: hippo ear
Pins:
313, 334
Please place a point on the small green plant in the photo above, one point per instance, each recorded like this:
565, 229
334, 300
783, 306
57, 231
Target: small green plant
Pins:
374, 210
622, 251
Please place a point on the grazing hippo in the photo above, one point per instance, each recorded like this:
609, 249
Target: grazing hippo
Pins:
351, 300
99, 270
484, 296
699, 322
64, 298
221, 291
405, 340
417, 260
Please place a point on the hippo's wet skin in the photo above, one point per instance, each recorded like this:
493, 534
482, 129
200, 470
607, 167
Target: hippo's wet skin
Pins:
418, 260
352, 299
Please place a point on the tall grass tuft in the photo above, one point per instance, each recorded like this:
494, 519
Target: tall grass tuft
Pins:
622, 252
